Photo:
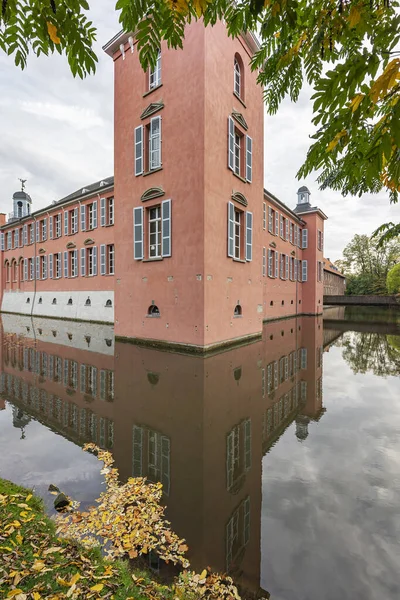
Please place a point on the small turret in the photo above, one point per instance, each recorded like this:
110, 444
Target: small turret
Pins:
21, 203
303, 195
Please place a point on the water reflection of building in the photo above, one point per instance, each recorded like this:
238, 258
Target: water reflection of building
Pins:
199, 425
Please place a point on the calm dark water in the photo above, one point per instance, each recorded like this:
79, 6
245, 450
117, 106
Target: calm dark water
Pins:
280, 460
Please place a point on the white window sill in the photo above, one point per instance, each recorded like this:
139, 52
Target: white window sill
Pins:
155, 170
239, 260
153, 259
151, 90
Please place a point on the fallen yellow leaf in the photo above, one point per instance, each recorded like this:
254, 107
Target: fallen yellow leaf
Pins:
97, 588
38, 565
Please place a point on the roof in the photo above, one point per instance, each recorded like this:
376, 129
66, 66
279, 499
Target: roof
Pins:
88, 189
329, 266
22, 196
82, 193
303, 188
307, 208
282, 204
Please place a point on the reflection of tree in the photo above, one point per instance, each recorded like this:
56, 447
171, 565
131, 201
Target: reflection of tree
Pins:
371, 352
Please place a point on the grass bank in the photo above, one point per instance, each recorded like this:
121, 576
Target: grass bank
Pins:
36, 564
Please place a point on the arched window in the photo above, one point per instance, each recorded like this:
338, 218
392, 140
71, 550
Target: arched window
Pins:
238, 77
28, 300
238, 311
19, 209
7, 265
69, 301
15, 271
109, 303
153, 311
40, 300
54, 301
88, 302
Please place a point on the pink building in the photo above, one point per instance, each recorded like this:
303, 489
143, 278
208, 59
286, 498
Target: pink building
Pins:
203, 254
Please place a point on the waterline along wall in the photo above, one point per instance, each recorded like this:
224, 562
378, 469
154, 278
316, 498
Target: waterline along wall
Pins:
193, 251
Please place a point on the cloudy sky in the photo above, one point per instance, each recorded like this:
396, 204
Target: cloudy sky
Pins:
57, 132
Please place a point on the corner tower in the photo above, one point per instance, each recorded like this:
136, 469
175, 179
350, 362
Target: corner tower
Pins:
188, 190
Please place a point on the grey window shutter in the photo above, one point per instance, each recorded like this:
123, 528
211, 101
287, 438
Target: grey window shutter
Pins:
287, 230
32, 233
94, 260
138, 233
2, 240
83, 217
76, 220
51, 227
45, 229
304, 243
37, 267
264, 263
45, 267
304, 265
83, 262
76, 271
155, 143
276, 264
231, 228
264, 215
65, 263
276, 223
16, 238
66, 223
50, 266
249, 158
102, 212
166, 227
95, 214
231, 144
25, 269
286, 267
37, 231
25, 235
9, 240
139, 150
102, 259
249, 236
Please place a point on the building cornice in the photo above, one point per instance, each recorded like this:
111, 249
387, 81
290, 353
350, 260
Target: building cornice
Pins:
268, 195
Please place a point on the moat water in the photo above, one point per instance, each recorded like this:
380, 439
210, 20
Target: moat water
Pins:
280, 460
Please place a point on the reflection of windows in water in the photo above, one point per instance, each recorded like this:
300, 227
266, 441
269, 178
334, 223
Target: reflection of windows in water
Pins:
82, 422
303, 391
70, 374
57, 369
110, 440
107, 385
89, 380
102, 432
237, 533
303, 358
263, 383
43, 368
151, 456
43, 401
93, 427
238, 452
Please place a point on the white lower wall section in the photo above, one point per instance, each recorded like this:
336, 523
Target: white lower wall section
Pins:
41, 304
85, 336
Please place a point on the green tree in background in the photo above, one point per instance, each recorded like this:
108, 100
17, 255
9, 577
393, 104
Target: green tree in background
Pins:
371, 352
393, 280
344, 49
366, 264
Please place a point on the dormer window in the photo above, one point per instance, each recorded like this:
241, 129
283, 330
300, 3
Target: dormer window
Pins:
155, 74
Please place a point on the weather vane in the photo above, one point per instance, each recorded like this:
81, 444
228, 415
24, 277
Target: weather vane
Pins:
23, 181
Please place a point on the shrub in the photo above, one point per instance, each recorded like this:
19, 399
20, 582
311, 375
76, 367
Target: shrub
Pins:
393, 280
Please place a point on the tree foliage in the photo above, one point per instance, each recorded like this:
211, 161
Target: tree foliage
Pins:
344, 49
393, 280
366, 264
371, 352
48, 26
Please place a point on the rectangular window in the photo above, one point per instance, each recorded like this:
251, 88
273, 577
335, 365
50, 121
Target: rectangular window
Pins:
270, 220
66, 222
57, 225
73, 256
299, 237
287, 229
270, 263
155, 143
37, 231
83, 217
2, 241
92, 215
249, 158
66, 263
237, 152
9, 241
37, 267
319, 270
31, 269
139, 150
92, 261
291, 232
320, 240
43, 267
286, 267
154, 218
276, 223
282, 267
16, 238
265, 215
74, 220
155, 74
110, 259
276, 264
291, 269
57, 264
51, 266
282, 225
110, 211
31, 233
43, 225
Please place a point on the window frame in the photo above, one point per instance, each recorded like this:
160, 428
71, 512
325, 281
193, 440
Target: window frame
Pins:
155, 74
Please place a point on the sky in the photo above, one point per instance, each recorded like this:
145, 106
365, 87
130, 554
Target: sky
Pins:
57, 132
